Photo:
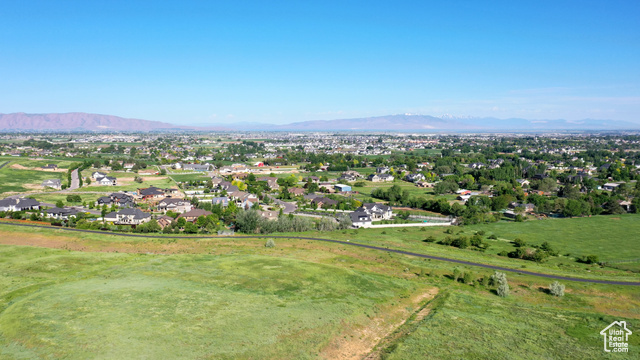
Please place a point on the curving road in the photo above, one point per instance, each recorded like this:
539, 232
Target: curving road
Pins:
462, 262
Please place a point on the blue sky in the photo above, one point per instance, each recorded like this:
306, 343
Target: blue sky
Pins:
192, 62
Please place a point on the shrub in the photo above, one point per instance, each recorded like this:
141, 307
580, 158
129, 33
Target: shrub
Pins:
270, 244
456, 274
492, 237
467, 278
589, 259
556, 289
430, 239
519, 242
481, 233
503, 253
462, 242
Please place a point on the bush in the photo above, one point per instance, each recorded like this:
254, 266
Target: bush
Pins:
503, 253
556, 289
481, 233
467, 278
270, 244
589, 259
492, 237
519, 242
430, 239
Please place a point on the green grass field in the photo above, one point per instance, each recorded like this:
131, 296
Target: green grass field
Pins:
472, 326
19, 180
56, 304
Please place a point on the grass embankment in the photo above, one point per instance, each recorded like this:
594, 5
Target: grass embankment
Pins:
463, 325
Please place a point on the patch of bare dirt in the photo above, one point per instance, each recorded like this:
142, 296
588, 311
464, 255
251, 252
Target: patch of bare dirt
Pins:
358, 343
19, 167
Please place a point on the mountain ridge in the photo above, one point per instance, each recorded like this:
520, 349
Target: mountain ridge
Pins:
78, 121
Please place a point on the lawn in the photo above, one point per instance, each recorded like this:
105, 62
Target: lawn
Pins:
59, 304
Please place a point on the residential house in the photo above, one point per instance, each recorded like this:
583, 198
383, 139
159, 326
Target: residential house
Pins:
414, 177
52, 183
129, 216
523, 182
60, 213
296, 191
424, 184
120, 200
197, 167
107, 181
324, 202
20, 204
224, 201
610, 186
97, 175
194, 214
268, 214
151, 193
377, 211
360, 218
164, 221
380, 177
175, 205
382, 170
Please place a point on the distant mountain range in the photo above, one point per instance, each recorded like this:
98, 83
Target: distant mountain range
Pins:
84, 122
413, 123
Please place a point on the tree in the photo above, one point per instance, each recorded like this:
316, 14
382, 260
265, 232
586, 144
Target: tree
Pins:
153, 226
247, 221
270, 244
59, 204
500, 279
556, 289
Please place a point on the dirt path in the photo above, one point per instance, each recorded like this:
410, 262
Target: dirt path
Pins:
358, 343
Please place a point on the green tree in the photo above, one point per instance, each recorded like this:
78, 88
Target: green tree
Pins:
556, 289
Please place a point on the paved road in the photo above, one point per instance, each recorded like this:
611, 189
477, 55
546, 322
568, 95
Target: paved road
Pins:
288, 207
348, 243
75, 180
3, 165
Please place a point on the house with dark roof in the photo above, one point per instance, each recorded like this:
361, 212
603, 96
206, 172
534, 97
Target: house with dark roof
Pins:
107, 181
175, 205
60, 213
20, 204
151, 193
376, 211
360, 218
121, 200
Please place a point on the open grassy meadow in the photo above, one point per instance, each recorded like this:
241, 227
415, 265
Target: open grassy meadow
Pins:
18, 177
76, 296
56, 304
